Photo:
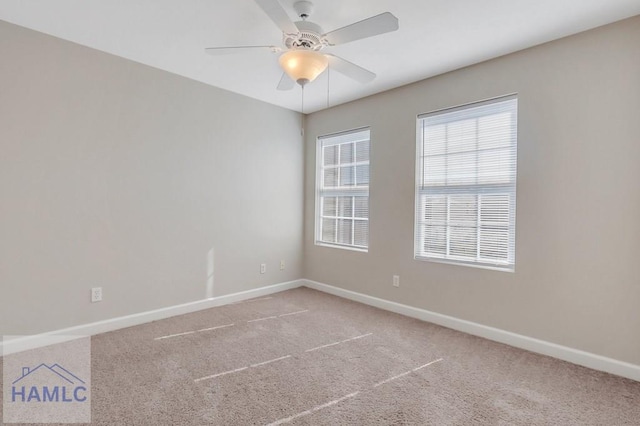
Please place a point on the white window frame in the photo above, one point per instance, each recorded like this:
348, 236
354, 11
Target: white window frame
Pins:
479, 190
355, 191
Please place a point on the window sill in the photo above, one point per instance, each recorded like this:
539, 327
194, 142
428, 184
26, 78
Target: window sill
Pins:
492, 267
338, 246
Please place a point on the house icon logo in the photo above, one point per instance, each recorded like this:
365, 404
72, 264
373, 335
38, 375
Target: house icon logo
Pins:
48, 384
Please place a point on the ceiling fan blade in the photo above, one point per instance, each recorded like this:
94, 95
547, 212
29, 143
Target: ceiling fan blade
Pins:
216, 51
286, 83
350, 69
278, 15
379, 24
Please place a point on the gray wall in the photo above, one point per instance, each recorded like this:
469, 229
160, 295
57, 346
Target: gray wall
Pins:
576, 281
119, 175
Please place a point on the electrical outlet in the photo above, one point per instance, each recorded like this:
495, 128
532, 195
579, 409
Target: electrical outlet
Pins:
396, 280
263, 268
96, 294
282, 265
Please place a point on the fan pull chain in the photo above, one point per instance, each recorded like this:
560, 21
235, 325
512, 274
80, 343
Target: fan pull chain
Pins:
328, 83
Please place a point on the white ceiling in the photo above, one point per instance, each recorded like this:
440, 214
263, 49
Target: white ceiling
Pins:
435, 36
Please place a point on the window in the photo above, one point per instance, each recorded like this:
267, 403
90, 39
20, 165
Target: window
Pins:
342, 187
466, 184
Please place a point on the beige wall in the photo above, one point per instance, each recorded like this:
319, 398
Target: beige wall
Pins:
119, 175
576, 281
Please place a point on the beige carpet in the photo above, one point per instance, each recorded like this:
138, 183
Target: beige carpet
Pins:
308, 358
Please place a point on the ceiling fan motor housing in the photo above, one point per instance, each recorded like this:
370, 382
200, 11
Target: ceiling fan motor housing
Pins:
309, 37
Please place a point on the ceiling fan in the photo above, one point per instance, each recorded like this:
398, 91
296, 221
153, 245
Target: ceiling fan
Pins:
304, 41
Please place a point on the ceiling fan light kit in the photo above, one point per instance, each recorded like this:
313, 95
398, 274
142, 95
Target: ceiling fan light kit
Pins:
302, 61
303, 66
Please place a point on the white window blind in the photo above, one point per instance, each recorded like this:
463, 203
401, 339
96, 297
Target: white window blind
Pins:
466, 184
342, 187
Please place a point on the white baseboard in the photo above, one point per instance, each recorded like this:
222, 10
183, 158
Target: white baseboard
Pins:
31, 342
575, 356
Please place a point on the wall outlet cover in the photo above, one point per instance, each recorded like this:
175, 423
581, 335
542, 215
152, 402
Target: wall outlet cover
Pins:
96, 294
